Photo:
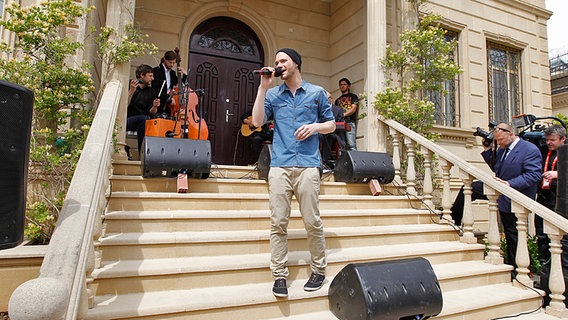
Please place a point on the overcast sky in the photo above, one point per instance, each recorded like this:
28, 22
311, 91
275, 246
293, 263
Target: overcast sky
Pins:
557, 26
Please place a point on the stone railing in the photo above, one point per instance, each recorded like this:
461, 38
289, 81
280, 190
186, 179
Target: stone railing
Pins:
555, 225
62, 289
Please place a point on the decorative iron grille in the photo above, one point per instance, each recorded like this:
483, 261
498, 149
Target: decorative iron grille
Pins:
504, 82
446, 108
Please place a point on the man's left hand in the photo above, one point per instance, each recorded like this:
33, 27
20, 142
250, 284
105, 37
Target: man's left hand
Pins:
550, 175
503, 181
306, 131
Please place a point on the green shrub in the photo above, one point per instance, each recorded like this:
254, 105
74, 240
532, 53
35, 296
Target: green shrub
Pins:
42, 60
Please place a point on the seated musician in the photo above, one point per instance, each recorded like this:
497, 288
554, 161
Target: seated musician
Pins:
327, 141
166, 80
143, 102
257, 135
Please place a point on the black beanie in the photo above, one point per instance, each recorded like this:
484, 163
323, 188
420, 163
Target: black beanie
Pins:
294, 55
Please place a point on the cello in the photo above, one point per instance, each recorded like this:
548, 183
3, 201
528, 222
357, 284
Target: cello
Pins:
194, 125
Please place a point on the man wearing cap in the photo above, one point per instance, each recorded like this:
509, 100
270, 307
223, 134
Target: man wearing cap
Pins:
301, 111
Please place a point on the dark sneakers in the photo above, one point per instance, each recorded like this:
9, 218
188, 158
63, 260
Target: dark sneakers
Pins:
315, 282
279, 289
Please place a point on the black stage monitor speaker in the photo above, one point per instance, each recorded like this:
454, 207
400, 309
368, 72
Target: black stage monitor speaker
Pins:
16, 106
361, 166
386, 290
164, 157
263, 165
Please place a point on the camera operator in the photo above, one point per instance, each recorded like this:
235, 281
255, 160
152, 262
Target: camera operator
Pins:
518, 164
476, 186
555, 136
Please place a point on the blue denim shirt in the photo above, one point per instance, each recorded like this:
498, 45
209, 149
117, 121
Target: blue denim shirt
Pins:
309, 105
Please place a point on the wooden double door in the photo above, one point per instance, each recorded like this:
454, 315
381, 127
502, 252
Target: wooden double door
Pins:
223, 54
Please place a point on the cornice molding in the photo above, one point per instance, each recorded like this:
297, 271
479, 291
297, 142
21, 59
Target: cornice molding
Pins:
528, 7
505, 39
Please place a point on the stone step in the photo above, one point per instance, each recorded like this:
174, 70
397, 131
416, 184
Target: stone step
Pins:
212, 243
227, 185
237, 302
132, 201
218, 220
128, 276
133, 168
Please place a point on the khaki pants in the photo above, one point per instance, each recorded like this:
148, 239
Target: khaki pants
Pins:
304, 183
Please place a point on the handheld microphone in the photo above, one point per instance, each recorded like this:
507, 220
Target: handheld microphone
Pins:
264, 72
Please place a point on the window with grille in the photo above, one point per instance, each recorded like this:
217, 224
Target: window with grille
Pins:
504, 82
446, 102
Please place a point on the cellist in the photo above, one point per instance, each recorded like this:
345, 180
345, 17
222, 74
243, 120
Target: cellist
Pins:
166, 80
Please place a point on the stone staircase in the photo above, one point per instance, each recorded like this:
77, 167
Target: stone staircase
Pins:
205, 254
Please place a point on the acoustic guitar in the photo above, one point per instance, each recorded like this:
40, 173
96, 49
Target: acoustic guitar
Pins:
246, 130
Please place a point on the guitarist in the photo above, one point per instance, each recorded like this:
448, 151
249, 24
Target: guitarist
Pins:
257, 135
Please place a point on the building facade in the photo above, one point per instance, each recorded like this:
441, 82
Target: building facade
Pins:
502, 49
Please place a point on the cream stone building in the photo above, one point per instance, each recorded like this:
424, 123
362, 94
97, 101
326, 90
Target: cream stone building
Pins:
502, 49
114, 259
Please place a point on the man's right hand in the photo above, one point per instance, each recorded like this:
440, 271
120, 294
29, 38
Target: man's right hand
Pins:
486, 146
133, 84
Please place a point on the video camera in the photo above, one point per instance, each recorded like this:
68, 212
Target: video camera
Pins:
534, 132
488, 136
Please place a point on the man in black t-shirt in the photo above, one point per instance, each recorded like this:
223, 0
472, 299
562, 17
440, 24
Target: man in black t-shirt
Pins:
143, 102
348, 102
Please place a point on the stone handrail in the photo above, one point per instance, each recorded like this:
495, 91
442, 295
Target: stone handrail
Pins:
61, 291
556, 226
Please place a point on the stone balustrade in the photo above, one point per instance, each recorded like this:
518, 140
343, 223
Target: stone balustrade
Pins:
556, 226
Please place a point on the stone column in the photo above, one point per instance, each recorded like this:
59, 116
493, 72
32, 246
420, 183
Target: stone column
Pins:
376, 47
119, 14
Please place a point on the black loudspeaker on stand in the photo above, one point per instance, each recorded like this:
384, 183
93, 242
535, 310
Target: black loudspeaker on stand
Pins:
386, 290
263, 164
362, 166
16, 106
164, 157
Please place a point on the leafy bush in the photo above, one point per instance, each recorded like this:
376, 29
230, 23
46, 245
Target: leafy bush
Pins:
42, 59
532, 244
422, 64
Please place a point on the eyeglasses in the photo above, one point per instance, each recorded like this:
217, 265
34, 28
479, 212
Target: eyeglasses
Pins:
503, 129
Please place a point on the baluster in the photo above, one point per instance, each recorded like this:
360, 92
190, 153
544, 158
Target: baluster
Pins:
522, 259
493, 237
396, 156
446, 192
556, 280
427, 188
410, 169
89, 293
467, 219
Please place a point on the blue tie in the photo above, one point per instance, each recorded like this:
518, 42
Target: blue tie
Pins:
505, 155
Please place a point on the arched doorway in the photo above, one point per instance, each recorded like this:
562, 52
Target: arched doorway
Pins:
223, 52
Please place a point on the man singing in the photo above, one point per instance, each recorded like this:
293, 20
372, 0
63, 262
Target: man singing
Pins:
300, 111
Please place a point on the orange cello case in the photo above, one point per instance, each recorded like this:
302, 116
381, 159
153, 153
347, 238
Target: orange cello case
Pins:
161, 127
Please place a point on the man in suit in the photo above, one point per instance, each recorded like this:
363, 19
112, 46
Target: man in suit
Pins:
518, 164
165, 79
